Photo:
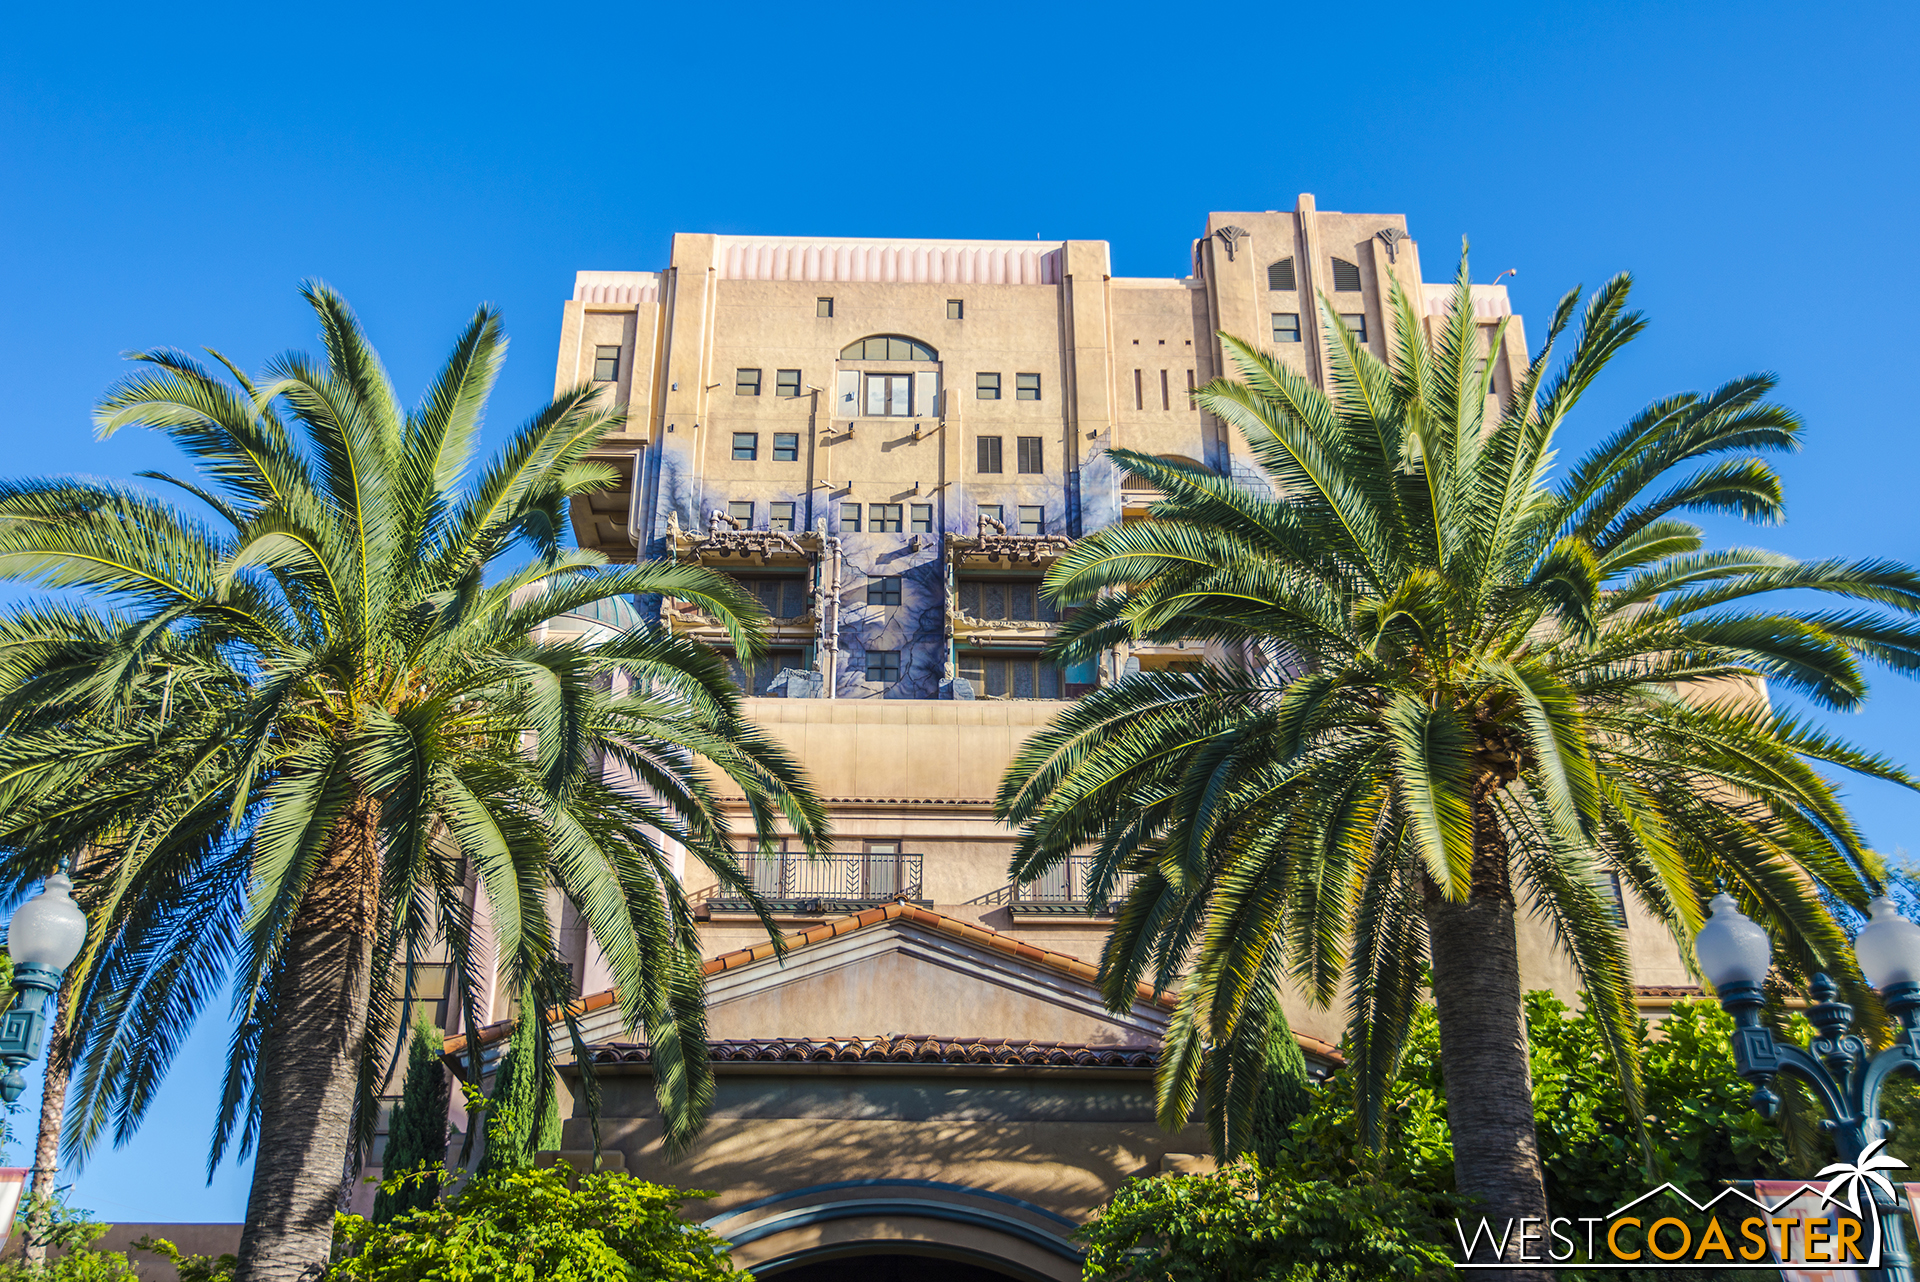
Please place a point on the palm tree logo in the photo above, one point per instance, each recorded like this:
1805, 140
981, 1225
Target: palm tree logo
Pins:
1863, 1173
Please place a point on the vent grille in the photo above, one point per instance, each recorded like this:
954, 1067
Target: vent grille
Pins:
1280, 275
1346, 277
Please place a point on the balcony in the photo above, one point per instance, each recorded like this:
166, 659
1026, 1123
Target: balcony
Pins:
794, 885
1063, 891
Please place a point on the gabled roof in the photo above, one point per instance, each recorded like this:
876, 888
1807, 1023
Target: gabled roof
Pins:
965, 933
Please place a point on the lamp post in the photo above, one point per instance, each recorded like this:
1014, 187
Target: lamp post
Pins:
46, 934
1735, 952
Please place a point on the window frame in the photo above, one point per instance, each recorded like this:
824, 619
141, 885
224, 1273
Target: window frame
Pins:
740, 382
989, 448
883, 589
1039, 521
1276, 271
887, 658
823, 308
982, 389
888, 378
1281, 334
1357, 322
600, 357
789, 442
748, 453
850, 518
956, 309
775, 516
885, 518
1021, 388
734, 513
1346, 271
998, 511
1030, 449
919, 518
783, 389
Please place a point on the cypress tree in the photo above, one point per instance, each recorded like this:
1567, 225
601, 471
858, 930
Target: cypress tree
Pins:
523, 1117
1286, 1091
417, 1131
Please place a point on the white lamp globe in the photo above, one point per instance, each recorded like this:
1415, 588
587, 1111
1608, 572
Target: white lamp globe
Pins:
48, 930
1731, 946
1888, 947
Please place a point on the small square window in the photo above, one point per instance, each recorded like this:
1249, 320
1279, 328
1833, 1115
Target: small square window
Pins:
1286, 327
1357, 322
992, 511
1031, 454
786, 382
786, 447
746, 445
779, 516
883, 666
920, 518
850, 518
1026, 387
955, 309
742, 512
1033, 520
989, 454
885, 591
883, 518
823, 307
986, 387
746, 382
606, 364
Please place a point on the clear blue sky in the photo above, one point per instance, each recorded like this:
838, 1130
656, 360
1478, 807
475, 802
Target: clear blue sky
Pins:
167, 174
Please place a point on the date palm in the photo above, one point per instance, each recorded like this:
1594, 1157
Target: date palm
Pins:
1466, 687
295, 731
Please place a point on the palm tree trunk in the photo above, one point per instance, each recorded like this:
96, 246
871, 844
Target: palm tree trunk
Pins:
53, 1110
1483, 1036
310, 1060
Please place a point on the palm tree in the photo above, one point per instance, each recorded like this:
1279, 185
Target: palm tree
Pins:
297, 729
1464, 685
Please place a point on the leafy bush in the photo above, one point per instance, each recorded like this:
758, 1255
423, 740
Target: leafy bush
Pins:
1251, 1223
191, 1268
69, 1236
526, 1223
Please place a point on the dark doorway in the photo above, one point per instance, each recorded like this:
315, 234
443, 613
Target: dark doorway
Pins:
889, 1268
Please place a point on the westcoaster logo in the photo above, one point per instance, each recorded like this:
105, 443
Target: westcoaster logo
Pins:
1833, 1224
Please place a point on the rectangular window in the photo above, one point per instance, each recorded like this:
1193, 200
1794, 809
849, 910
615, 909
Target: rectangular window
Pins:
1286, 327
764, 669
746, 382
1031, 454
883, 518
1357, 322
779, 516
746, 445
986, 387
780, 598
1026, 387
989, 454
742, 512
1014, 676
850, 518
883, 666
920, 518
1033, 520
606, 364
992, 511
1166, 397
955, 308
786, 447
884, 591
1139, 401
786, 382
990, 600
889, 395
823, 307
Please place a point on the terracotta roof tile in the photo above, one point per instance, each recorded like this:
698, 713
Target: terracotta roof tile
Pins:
898, 1050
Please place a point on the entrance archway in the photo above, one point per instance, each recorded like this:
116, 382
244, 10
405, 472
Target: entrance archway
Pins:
890, 1268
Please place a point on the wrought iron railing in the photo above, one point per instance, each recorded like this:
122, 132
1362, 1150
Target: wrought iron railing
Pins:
1065, 889
826, 883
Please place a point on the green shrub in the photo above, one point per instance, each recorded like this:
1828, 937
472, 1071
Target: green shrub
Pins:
529, 1224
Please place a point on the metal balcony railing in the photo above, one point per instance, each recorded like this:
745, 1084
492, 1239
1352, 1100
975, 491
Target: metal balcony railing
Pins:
793, 883
1066, 890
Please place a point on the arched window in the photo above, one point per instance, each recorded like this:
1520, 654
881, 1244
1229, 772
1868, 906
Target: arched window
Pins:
889, 347
1346, 276
1280, 275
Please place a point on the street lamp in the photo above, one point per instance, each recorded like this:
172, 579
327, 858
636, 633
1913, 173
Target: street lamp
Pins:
1735, 952
46, 934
